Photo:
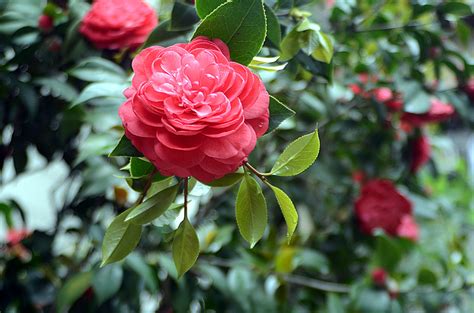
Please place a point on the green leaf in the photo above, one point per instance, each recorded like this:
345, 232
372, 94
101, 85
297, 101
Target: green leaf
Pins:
204, 7
125, 148
136, 262
72, 289
290, 45
153, 207
273, 27
287, 209
334, 304
241, 24
415, 98
120, 239
58, 88
140, 168
324, 50
456, 8
96, 69
163, 33
278, 113
297, 156
183, 16
101, 90
185, 247
387, 253
227, 180
427, 277
251, 210
106, 282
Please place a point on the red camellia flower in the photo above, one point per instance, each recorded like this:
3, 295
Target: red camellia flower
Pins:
439, 111
45, 23
116, 24
382, 94
469, 89
193, 112
379, 276
408, 228
15, 236
420, 153
394, 104
381, 205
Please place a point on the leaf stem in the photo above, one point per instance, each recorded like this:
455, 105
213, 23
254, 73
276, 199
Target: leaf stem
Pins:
260, 175
186, 186
145, 189
317, 284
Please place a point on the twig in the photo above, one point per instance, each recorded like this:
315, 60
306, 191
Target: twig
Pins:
317, 284
145, 189
260, 175
186, 186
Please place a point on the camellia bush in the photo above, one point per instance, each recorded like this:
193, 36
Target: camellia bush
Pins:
240, 155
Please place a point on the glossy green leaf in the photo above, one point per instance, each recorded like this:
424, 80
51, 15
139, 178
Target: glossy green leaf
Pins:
241, 24
251, 210
58, 87
101, 90
287, 209
273, 27
456, 8
96, 69
183, 16
415, 98
153, 207
204, 7
125, 148
334, 304
278, 113
163, 33
387, 252
185, 247
72, 289
140, 168
297, 156
227, 180
136, 263
324, 51
120, 239
106, 282
290, 45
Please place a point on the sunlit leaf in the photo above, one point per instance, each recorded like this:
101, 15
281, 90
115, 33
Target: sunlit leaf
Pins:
297, 156
251, 210
185, 247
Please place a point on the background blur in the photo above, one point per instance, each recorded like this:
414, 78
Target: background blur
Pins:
59, 190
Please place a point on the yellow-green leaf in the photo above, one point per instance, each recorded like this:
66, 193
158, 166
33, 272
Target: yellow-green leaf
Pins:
153, 207
72, 289
297, 156
251, 210
120, 239
287, 209
185, 247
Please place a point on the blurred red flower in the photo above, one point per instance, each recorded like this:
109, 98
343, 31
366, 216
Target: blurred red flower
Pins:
438, 112
117, 24
381, 206
420, 149
408, 228
45, 23
15, 236
379, 276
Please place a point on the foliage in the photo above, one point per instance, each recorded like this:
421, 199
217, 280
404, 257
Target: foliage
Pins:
60, 96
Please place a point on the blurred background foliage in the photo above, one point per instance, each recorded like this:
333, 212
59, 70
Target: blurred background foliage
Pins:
58, 119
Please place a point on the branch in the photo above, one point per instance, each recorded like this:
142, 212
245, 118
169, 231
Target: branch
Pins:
317, 284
